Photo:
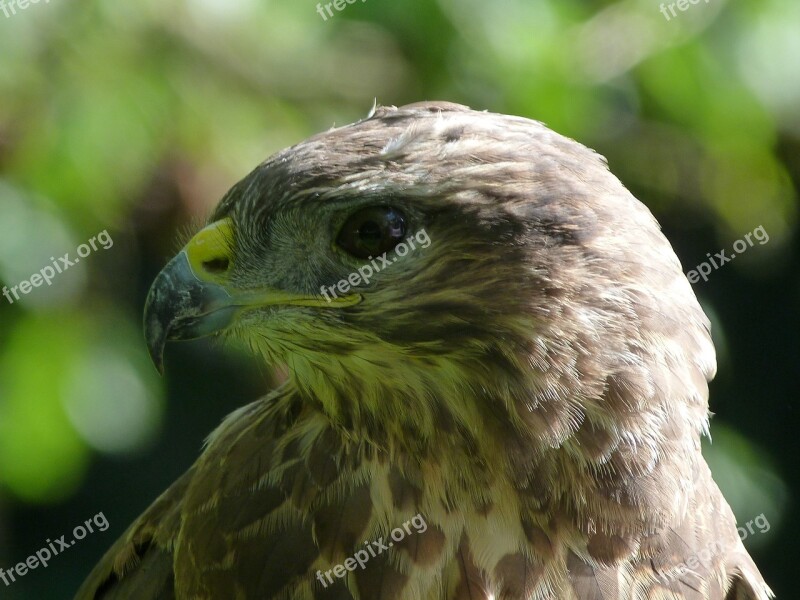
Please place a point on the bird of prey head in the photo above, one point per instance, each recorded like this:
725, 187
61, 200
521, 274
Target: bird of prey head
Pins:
483, 329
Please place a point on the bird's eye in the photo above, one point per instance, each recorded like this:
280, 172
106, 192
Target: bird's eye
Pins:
372, 231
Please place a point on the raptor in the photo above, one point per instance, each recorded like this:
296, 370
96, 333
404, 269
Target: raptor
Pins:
532, 385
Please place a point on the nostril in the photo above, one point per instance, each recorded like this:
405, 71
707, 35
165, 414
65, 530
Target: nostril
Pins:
216, 265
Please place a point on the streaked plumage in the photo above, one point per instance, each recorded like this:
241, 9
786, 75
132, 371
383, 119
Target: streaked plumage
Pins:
534, 383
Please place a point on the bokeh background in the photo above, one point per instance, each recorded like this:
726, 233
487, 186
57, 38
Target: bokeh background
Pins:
134, 118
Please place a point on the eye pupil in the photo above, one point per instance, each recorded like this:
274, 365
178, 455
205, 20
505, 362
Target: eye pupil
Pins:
372, 231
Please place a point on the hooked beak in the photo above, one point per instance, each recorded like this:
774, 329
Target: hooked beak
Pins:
182, 307
192, 296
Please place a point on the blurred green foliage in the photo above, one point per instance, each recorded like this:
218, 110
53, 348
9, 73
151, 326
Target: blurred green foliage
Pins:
136, 117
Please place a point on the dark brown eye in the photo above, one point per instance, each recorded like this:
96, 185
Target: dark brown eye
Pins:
372, 231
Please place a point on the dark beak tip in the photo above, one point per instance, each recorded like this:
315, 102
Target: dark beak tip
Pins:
158, 362
155, 347
155, 334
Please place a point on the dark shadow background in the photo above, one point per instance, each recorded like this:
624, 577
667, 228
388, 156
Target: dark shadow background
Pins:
135, 118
